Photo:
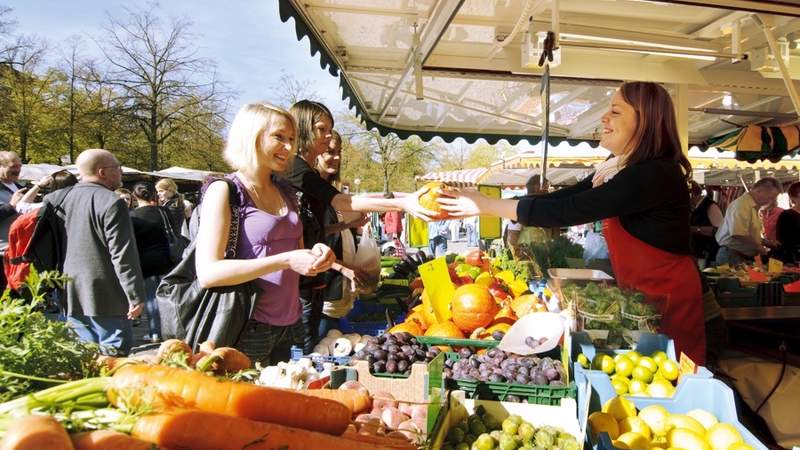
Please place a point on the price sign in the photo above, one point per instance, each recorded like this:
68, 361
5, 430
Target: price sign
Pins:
438, 286
687, 366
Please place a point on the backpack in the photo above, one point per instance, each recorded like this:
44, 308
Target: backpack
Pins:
34, 238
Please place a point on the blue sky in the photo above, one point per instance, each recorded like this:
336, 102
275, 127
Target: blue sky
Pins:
246, 38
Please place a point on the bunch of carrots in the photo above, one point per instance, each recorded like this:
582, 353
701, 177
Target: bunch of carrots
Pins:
146, 406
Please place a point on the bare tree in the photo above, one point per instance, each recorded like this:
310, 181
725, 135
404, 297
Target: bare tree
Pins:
289, 90
9, 44
164, 85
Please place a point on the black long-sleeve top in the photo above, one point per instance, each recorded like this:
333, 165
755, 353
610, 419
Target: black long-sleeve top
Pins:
650, 198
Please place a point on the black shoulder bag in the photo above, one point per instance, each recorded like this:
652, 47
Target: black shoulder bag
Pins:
196, 314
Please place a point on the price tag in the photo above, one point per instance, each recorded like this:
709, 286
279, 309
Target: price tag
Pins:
755, 276
436, 279
775, 266
687, 366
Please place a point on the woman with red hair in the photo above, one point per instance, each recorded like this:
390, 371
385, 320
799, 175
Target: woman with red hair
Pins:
641, 194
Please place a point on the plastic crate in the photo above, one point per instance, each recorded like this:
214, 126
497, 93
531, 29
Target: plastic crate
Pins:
531, 393
561, 415
318, 360
709, 394
452, 342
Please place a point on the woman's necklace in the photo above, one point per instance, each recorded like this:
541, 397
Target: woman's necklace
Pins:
261, 204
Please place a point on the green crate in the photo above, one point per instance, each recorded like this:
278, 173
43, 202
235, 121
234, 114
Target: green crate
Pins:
532, 393
452, 342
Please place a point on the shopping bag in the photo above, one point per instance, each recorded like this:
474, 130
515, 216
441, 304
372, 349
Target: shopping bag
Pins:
368, 259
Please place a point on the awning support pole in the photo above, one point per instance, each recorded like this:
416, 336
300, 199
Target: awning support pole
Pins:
681, 104
545, 100
766, 23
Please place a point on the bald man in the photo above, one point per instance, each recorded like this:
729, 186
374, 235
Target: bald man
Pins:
106, 290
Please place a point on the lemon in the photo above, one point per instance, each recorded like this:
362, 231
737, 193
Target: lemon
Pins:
634, 440
619, 356
659, 441
741, 446
660, 388
636, 425
686, 422
686, 439
704, 417
659, 357
624, 366
723, 435
634, 356
669, 369
602, 422
604, 363
642, 373
637, 387
583, 360
650, 363
655, 416
620, 408
620, 445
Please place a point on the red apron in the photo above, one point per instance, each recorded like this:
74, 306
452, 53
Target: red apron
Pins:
671, 281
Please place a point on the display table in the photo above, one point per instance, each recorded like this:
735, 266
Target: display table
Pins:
761, 312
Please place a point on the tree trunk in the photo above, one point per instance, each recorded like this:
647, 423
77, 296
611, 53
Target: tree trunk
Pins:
386, 180
153, 137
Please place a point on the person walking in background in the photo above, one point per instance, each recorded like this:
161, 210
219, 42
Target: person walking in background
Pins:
260, 143
392, 221
455, 229
106, 288
739, 236
437, 238
471, 224
769, 214
126, 195
705, 220
10, 194
54, 182
150, 229
170, 199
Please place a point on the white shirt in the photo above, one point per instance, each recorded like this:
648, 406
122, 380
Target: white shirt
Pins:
741, 219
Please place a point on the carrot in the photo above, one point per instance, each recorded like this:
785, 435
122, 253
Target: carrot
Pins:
200, 430
109, 440
224, 360
192, 389
36, 433
357, 402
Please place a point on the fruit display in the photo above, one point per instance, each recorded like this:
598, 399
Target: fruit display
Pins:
482, 431
497, 366
394, 353
635, 374
654, 426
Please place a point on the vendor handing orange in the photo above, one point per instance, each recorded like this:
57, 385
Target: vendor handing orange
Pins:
642, 195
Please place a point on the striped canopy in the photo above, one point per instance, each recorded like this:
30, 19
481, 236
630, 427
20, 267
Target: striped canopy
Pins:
756, 143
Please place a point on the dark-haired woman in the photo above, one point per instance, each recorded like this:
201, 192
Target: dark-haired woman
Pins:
787, 230
149, 228
641, 194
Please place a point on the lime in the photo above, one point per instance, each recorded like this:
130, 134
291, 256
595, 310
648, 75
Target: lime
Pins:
659, 356
660, 388
583, 360
624, 366
634, 356
648, 362
642, 373
669, 369
604, 363
620, 386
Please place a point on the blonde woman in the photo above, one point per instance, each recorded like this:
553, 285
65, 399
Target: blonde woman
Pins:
270, 248
169, 198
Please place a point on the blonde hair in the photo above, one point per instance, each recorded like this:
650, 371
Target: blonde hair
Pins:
242, 147
166, 184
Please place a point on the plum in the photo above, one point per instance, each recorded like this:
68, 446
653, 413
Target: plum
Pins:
402, 366
391, 366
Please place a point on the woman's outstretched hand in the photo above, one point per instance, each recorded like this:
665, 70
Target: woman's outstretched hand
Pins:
462, 203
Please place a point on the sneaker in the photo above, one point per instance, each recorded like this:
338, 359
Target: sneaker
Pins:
154, 339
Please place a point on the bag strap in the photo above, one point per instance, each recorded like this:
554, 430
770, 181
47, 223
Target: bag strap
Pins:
167, 223
235, 203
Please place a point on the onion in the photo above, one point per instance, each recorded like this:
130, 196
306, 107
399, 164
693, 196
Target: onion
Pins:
355, 386
340, 347
392, 418
383, 400
334, 333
